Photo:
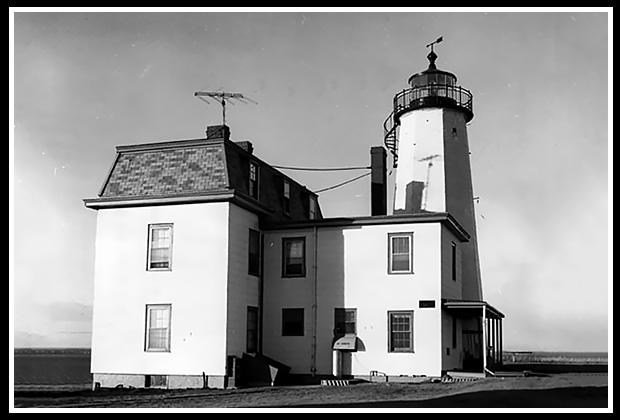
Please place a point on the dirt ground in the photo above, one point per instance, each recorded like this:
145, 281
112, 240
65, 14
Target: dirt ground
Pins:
566, 390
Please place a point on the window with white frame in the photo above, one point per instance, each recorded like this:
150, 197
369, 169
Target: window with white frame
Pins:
400, 334
160, 247
400, 253
158, 327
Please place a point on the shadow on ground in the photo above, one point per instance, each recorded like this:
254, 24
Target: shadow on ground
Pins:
571, 397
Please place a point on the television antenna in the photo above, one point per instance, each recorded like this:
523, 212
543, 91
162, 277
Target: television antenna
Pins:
223, 98
428, 159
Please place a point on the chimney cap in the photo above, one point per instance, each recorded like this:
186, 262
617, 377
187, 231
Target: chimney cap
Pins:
218, 132
245, 145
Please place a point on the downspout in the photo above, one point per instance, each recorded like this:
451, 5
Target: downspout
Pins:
484, 340
314, 299
261, 287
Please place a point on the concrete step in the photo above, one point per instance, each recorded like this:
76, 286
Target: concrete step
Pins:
334, 382
450, 379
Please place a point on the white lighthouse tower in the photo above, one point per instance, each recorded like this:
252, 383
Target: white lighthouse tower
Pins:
427, 136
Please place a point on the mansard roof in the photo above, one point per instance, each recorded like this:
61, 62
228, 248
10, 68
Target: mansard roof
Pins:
199, 170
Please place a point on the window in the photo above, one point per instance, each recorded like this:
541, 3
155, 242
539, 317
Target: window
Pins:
292, 322
254, 253
312, 208
400, 253
155, 381
294, 257
287, 196
253, 186
344, 321
400, 334
453, 261
157, 327
251, 337
160, 247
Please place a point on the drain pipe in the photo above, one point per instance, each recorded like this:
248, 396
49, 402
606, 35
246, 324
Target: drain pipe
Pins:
314, 299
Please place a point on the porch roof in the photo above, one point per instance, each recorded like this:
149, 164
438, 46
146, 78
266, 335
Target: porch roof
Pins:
471, 308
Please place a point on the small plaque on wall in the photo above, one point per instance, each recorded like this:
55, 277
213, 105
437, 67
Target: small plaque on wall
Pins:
427, 304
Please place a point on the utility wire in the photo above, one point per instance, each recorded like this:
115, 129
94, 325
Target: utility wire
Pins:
294, 168
343, 183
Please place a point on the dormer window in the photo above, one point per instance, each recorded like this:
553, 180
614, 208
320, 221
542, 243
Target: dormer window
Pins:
253, 185
312, 208
287, 196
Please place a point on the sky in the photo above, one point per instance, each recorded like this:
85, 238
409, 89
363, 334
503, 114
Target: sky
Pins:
83, 83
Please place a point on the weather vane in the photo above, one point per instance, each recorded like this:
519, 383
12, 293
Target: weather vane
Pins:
437, 41
431, 55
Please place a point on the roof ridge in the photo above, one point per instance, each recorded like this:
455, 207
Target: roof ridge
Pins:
167, 145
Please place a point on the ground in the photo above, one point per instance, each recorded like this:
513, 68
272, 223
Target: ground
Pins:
551, 391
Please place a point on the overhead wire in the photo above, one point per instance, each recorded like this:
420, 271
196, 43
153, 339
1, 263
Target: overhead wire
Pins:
295, 168
342, 183
346, 168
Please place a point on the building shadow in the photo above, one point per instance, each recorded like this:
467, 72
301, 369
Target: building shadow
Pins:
569, 397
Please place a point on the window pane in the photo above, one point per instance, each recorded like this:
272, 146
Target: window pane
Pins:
295, 250
344, 321
349, 315
400, 262
400, 245
254, 252
293, 322
295, 268
252, 330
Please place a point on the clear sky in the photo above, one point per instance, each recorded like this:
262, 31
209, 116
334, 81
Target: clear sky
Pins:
324, 82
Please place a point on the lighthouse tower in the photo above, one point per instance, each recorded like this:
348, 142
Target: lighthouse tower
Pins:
427, 137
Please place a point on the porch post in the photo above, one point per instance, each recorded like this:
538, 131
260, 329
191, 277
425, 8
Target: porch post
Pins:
495, 352
484, 340
501, 344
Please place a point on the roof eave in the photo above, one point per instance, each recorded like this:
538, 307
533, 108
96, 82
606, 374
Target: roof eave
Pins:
428, 217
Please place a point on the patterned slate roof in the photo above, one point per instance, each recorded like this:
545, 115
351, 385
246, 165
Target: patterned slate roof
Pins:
167, 172
211, 168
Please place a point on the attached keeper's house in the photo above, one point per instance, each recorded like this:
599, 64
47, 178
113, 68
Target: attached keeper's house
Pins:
214, 269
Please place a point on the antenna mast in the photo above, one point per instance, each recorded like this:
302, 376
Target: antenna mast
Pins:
223, 98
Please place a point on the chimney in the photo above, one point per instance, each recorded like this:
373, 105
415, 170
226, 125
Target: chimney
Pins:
245, 145
218, 132
378, 181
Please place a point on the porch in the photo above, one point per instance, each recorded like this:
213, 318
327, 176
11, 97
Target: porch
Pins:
482, 341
